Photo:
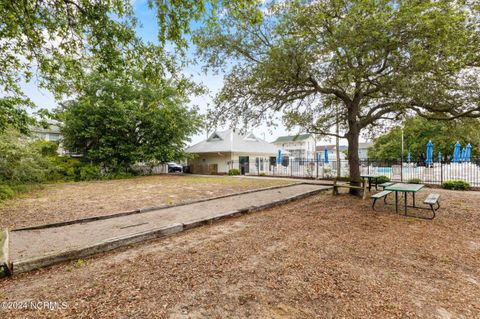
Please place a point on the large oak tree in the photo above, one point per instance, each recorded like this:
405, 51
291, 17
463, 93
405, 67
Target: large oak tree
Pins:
366, 61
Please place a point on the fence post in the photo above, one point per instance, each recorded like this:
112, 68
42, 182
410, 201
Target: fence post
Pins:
317, 165
368, 166
401, 169
441, 172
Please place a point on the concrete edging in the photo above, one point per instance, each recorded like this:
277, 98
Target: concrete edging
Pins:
117, 242
148, 209
5, 265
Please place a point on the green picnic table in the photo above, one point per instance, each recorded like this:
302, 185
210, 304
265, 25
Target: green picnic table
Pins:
370, 178
404, 188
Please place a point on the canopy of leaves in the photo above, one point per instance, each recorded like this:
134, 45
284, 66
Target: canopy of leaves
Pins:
121, 118
418, 131
58, 42
378, 60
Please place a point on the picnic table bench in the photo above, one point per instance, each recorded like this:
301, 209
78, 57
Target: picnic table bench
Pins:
431, 200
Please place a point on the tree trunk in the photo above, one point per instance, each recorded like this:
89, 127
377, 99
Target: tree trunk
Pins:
353, 160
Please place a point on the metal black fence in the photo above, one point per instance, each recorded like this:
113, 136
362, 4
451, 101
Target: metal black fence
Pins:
434, 173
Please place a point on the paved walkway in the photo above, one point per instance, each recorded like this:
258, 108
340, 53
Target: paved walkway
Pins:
36, 248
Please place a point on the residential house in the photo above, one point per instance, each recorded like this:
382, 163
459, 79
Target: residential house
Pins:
52, 134
228, 149
300, 146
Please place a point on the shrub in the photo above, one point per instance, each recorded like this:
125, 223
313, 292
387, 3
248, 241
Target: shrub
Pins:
456, 185
6, 192
383, 179
64, 168
261, 174
46, 148
414, 181
233, 171
89, 172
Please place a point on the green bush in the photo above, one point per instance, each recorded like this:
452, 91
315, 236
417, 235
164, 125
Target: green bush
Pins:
383, 179
64, 168
46, 148
6, 192
414, 181
261, 174
89, 172
456, 185
233, 171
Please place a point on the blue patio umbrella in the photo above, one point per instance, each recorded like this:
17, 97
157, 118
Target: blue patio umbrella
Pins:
468, 152
439, 156
279, 157
462, 157
409, 158
319, 158
429, 159
456, 153
325, 151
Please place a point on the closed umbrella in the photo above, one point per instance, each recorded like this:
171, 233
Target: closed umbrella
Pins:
429, 159
409, 157
279, 157
326, 155
439, 156
462, 157
456, 153
468, 152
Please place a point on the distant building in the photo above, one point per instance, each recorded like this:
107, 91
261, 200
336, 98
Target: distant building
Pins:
222, 151
51, 134
363, 150
332, 152
300, 146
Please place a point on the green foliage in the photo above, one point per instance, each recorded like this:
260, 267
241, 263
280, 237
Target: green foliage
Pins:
89, 172
133, 119
63, 40
363, 62
456, 185
418, 131
414, 181
6, 192
261, 174
20, 161
46, 148
233, 171
383, 179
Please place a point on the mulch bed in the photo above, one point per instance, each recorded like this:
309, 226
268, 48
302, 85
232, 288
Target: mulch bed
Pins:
322, 257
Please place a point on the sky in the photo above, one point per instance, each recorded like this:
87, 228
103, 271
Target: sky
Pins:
148, 30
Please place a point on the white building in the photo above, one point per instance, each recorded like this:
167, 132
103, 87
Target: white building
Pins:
222, 151
51, 134
301, 146
363, 150
332, 152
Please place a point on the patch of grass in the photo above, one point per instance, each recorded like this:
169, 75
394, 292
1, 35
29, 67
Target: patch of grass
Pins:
79, 263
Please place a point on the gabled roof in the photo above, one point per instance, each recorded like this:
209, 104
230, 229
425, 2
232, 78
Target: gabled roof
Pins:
230, 141
292, 138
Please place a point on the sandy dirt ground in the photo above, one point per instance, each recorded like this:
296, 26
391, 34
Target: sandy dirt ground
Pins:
62, 202
322, 257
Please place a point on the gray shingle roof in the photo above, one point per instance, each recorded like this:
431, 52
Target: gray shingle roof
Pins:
230, 141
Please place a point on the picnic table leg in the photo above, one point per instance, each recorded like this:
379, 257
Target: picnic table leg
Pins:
369, 184
396, 202
413, 194
405, 195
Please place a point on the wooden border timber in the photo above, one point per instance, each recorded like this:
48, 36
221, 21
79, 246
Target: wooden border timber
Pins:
364, 188
5, 266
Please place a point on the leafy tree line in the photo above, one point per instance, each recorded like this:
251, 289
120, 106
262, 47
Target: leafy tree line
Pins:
417, 131
362, 62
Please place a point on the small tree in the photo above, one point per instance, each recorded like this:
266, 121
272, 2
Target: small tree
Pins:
120, 118
374, 60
